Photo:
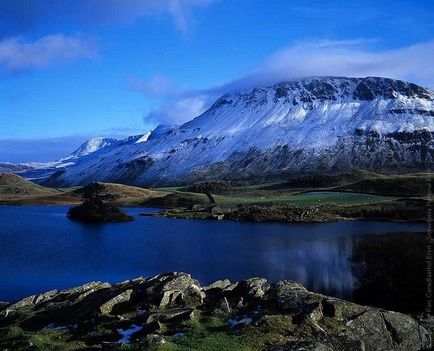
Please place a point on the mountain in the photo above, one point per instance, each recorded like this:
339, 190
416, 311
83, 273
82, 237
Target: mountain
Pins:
310, 125
39, 171
91, 146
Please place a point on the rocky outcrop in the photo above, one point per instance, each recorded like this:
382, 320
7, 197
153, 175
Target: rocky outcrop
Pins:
166, 308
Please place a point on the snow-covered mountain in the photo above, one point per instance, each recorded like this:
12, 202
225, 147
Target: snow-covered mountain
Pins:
91, 146
310, 125
39, 171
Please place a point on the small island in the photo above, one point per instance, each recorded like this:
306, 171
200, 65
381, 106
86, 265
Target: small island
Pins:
94, 210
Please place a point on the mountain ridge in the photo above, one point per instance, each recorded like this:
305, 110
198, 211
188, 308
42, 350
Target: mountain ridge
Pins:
311, 125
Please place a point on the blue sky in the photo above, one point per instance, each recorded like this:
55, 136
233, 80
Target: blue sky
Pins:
70, 70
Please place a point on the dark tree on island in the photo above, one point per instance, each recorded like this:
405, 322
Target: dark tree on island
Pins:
93, 208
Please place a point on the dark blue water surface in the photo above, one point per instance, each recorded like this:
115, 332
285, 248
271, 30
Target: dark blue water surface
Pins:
40, 250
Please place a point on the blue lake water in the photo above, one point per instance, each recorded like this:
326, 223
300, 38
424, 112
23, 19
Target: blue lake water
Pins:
40, 250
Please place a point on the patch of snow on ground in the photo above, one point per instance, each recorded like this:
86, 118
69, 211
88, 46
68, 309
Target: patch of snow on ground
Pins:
127, 333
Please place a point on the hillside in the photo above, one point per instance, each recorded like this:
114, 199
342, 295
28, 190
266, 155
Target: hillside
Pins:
120, 194
13, 185
16, 190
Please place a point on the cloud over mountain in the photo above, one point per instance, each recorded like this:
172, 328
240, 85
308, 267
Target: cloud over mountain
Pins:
345, 58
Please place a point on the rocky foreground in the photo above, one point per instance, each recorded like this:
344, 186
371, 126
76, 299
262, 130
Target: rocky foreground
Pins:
173, 312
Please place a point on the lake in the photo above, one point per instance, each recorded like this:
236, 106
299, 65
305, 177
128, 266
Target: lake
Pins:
40, 249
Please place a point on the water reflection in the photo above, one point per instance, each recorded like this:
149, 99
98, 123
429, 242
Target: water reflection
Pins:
41, 250
390, 271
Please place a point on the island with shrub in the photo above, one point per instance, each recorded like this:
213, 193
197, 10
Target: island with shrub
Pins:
94, 209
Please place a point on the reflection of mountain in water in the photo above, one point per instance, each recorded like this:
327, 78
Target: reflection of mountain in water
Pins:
390, 271
322, 265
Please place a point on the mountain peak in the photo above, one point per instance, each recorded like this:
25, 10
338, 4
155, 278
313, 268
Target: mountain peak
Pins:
310, 89
91, 146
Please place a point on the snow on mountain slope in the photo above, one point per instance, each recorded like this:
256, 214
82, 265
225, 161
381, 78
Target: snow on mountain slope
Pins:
38, 171
91, 146
314, 124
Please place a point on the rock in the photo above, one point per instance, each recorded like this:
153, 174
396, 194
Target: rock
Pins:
224, 306
340, 309
193, 296
342, 342
27, 302
178, 282
45, 296
291, 296
155, 339
405, 331
217, 211
171, 315
388, 331
302, 345
173, 287
257, 287
231, 287
197, 207
295, 318
114, 302
80, 292
168, 299
219, 284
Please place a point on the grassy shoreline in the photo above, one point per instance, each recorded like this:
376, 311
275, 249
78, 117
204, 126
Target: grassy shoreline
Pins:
310, 198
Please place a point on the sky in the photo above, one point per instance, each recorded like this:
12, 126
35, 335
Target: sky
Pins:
75, 69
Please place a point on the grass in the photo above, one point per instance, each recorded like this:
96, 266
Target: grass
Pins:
361, 188
44, 340
302, 199
213, 334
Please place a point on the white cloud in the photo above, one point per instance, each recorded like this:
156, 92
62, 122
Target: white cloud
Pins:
351, 58
18, 55
348, 58
158, 86
178, 110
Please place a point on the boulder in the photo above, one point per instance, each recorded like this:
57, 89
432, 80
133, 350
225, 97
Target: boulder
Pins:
178, 282
341, 309
155, 339
169, 298
171, 315
172, 289
224, 306
27, 302
256, 287
291, 296
109, 306
302, 345
78, 293
392, 331
193, 296
219, 284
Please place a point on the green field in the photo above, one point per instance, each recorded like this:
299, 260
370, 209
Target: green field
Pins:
302, 199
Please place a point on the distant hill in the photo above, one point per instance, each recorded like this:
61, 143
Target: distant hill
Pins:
403, 185
16, 190
121, 194
13, 185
